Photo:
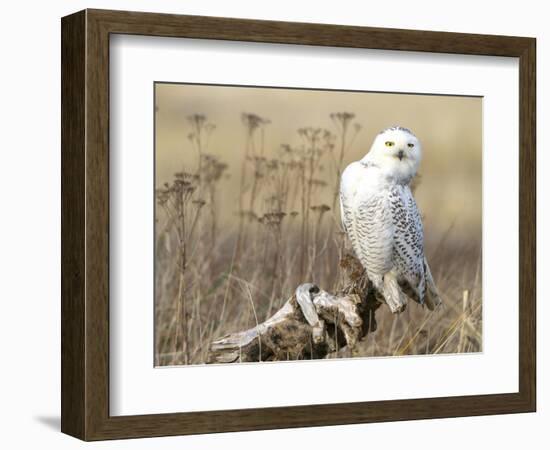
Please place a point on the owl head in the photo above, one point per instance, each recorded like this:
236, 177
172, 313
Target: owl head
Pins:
397, 151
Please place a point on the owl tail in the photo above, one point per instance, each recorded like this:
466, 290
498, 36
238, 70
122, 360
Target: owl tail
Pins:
432, 298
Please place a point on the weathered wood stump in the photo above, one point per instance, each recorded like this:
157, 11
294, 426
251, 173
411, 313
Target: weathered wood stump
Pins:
312, 324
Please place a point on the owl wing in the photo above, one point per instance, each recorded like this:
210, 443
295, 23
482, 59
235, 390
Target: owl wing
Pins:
408, 251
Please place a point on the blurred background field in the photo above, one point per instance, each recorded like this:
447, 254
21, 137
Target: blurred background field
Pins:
246, 182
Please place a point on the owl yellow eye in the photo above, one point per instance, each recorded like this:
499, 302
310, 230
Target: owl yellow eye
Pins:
410, 145
390, 144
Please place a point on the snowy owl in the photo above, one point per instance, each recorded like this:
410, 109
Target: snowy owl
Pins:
382, 221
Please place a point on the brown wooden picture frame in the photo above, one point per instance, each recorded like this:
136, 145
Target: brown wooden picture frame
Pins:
85, 224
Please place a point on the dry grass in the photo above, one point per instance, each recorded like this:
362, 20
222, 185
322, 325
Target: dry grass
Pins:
213, 279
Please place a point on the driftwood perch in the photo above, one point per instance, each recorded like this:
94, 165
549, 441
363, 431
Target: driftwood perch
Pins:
312, 324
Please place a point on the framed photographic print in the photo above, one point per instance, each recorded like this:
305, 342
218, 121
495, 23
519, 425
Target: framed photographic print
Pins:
271, 224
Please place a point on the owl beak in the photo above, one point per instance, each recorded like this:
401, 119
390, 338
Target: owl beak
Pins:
400, 154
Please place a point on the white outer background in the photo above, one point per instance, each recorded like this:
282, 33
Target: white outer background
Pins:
30, 226
136, 387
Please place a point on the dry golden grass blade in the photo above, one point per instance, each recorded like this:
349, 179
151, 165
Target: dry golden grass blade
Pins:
450, 332
461, 340
403, 349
